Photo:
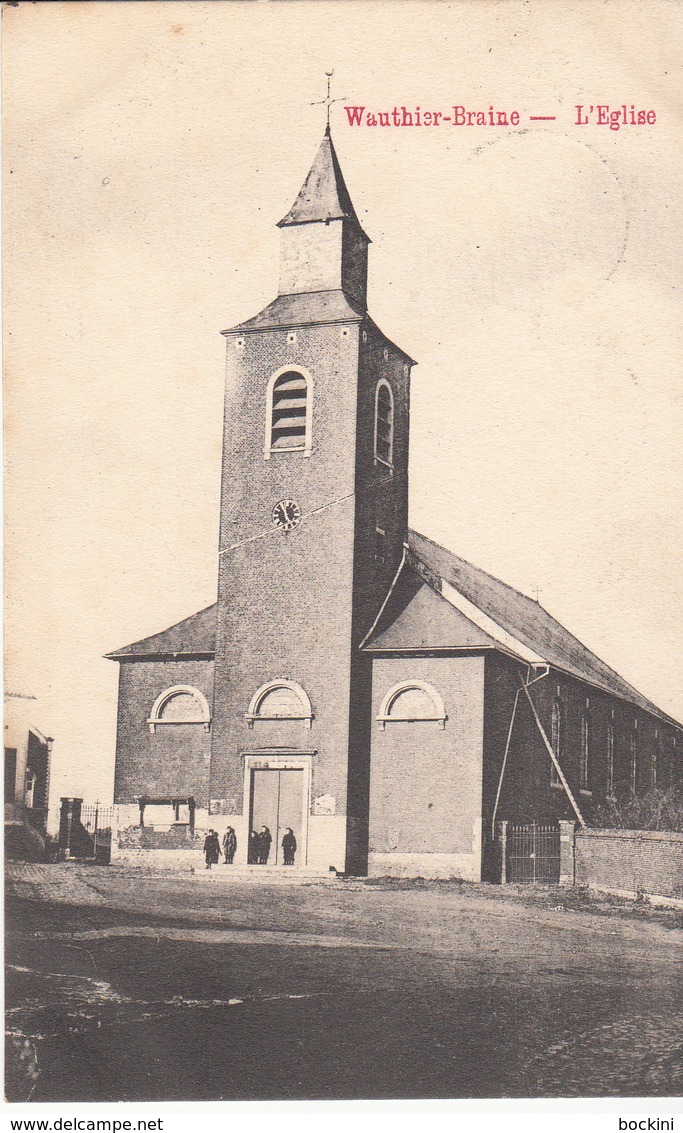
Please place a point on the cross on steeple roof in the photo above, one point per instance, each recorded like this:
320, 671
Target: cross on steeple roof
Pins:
323, 195
328, 101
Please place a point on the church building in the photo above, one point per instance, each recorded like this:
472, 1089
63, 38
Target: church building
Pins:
382, 699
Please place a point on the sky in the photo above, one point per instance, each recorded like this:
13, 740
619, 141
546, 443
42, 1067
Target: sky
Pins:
533, 272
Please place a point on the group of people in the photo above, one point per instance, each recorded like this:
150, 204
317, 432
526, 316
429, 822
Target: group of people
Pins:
260, 843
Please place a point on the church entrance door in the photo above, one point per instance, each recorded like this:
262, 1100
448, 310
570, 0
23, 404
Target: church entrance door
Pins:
277, 798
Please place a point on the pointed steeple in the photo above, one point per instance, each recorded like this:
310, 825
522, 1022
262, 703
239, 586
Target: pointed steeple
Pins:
323, 195
323, 247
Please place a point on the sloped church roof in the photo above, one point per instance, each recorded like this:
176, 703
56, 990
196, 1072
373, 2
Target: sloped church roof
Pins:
488, 614
323, 195
194, 636
439, 602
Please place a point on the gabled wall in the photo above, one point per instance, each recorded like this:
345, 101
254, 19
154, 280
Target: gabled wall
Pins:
425, 780
174, 760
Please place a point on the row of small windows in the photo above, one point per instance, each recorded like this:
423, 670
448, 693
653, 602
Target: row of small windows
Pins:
408, 702
289, 416
587, 754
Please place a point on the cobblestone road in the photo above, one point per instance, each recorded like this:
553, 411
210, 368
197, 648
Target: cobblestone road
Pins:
118, 985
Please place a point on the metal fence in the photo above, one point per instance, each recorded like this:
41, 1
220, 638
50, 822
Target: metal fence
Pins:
96, 822
530, 853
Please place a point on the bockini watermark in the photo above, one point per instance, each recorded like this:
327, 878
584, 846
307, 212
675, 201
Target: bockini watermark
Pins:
658, 1124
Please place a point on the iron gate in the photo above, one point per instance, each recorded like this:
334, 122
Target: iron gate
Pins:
531, 853
96, 821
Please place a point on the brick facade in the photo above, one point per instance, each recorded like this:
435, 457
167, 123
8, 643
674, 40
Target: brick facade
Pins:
173, 761
281, 595
426, 779
630, 861
528, 791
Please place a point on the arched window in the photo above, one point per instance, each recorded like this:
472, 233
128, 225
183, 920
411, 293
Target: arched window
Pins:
384, 424
280, 700
180, 704
610, 760
557, 739
411, 701
633, 754
585, 765
288, 412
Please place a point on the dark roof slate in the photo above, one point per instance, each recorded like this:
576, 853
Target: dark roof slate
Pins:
525, 620
308, 307
416, 617
323, 195
193, 635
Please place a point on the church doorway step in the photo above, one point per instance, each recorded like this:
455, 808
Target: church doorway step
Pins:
278, 796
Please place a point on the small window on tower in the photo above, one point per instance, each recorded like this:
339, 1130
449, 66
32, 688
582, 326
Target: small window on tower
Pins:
288, 414
384, 424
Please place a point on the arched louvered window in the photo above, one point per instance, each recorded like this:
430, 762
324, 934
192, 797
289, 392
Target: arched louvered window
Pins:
288, 413
384, 424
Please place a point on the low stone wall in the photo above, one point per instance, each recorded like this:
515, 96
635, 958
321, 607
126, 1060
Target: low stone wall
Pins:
466, 867
178, 848
178, 860
630, 862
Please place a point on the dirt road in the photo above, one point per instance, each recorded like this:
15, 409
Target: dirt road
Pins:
125, 987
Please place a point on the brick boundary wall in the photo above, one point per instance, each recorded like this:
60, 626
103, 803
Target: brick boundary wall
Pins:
626, 862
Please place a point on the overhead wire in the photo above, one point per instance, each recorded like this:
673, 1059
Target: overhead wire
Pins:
370, 485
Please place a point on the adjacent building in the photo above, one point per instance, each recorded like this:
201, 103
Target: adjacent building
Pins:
27, 776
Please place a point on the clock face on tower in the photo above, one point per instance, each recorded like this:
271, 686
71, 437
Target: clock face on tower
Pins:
286, 515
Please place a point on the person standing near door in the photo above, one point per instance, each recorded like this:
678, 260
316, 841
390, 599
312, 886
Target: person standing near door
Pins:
212, 850
265, 839
289, 846
229, 845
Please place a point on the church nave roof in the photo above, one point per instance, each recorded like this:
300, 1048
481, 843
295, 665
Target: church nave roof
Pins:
194, 636
489, 614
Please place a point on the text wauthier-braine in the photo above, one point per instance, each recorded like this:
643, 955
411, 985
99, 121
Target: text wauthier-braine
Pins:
602, 114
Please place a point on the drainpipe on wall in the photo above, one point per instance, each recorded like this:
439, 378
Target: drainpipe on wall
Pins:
525, 689
509, 738
552, 755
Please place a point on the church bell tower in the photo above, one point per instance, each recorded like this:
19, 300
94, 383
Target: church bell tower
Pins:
313, 521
